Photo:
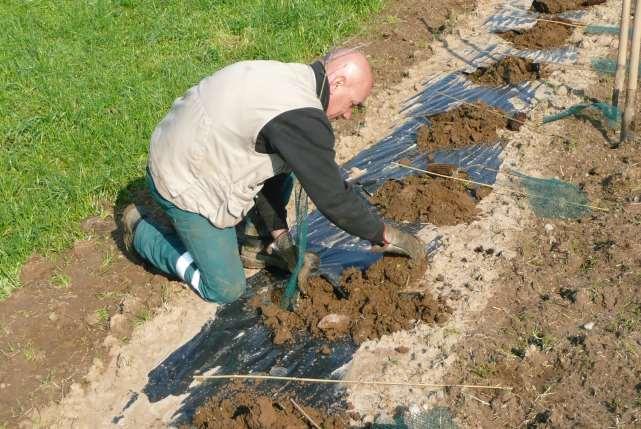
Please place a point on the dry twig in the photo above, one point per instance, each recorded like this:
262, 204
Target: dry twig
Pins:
299, 408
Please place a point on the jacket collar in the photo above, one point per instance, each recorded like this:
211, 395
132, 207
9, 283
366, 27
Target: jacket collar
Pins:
322, 84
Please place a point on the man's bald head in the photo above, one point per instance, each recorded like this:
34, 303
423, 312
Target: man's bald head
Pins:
350, 81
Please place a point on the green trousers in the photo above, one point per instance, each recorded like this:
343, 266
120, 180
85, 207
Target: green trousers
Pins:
200, 254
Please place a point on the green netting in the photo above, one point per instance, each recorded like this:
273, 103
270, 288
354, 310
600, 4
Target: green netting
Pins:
601, 29
552, 198
436, 418
301, 242
606, 65
611, 113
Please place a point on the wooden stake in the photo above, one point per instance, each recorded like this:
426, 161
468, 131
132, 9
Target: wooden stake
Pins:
330, 381
633, 75
622, 57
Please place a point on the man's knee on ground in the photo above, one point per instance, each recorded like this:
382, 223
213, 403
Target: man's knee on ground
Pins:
223, 291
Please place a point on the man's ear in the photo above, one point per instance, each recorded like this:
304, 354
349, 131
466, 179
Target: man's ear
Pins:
338, 81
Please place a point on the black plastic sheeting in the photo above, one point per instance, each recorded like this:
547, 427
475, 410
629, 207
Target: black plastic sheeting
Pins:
338, 249
237, 342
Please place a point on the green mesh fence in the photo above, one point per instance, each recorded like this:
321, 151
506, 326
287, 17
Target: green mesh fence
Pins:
606, 65
436, 418
611, 113
301, 242
601, 29
552, 198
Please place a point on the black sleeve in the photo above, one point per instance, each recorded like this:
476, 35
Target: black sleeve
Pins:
270, 202
304, 139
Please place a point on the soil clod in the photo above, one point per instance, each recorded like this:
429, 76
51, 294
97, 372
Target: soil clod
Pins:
558, 6
510, 70
251, 410
426, 199
374, 305
466, 125
544, 35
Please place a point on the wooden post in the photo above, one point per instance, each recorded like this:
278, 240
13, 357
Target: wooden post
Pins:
622, 58
633, 76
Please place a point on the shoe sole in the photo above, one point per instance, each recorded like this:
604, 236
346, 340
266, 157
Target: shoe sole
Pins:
255, 258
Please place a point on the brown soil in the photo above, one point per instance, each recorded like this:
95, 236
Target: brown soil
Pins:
54, 326
425, 199
566, 333
544, 35
509, 71
375, 304
250, 410
466, 125
558, 6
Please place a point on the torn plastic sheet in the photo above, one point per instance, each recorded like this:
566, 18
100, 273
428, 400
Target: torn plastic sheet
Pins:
236, 341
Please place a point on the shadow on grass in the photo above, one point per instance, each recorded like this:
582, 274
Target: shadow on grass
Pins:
136, 192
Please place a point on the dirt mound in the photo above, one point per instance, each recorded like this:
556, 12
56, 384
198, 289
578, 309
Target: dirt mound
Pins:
366, 306
466, 125
543, 35
250, 410
508, 71
558, 6
426, 199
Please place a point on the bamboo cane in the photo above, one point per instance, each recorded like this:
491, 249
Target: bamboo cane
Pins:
332, 381
622, 57
631, 95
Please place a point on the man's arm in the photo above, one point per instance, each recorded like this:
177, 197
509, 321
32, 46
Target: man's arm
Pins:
304, 139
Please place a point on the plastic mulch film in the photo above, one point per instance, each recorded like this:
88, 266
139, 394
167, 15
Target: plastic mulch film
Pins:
237, 342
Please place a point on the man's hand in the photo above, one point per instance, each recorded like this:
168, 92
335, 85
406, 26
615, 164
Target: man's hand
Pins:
284, 246
401, 243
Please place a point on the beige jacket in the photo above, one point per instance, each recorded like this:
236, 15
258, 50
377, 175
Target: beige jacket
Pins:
202, 156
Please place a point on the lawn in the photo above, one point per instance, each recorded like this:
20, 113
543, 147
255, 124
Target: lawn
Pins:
85, 82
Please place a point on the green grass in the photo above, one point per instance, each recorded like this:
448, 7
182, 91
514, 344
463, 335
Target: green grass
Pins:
102, 314
61, 280
142, 316
82, 85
